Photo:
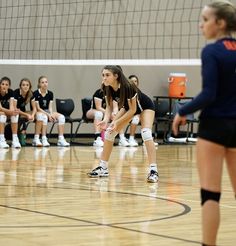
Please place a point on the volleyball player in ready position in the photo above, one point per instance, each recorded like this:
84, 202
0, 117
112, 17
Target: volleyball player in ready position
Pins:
131, 101
217, 102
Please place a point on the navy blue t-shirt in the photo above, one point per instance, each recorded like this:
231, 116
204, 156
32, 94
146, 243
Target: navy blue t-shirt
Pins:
218, 96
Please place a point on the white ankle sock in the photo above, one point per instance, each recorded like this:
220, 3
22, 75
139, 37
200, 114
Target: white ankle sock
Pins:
103, 164
153, 166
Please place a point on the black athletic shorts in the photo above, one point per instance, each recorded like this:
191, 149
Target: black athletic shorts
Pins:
220, 131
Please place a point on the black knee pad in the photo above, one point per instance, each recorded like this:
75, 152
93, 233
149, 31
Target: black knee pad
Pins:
209, 195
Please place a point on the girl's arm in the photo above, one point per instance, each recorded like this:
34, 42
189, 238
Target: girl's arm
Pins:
34, 109
50, 107
107, 116
26, 115
123, 117
12, 104
115, 109
108, 111
98, 104
11, 111
127, 116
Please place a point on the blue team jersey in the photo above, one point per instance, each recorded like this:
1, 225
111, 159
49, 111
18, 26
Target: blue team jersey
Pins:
218, 96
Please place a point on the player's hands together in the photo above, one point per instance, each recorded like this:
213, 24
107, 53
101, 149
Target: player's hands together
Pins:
102, 124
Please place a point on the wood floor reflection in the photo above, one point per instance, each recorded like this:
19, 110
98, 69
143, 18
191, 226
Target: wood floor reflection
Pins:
46, 198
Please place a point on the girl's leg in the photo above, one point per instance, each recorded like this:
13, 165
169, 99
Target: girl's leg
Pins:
61, 126
123, 141
231, 166
14, 129
132, 130
61, 123
3, 120
133, 126
96, 116
210, 162
38, 130
132, 141
102, 169
147, 118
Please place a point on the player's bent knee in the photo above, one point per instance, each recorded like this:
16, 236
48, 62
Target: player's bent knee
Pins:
14, 118
146, 134
3, 119
209, 195
110, 136
61, 119
39, 116
98, 115
135, 120
42, 117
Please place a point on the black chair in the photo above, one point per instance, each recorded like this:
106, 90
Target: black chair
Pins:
86, 105
162, 114
66, 107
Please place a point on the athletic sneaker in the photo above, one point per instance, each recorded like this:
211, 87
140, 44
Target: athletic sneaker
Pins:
98, 142
123, 142
133, 143
98, 172
45, 142
152, 177
15, 143
37, 143
62, 143
3, 144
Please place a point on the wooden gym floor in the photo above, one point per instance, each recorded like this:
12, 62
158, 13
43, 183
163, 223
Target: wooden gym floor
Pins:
47, 199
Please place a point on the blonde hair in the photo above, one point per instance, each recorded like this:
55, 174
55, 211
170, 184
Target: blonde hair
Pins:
39, 80
225, 10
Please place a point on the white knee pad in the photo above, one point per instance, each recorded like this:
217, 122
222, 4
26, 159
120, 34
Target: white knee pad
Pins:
146, 134
110, 136
3, 118
39, 116
98, 115
42, 117
14, 118
61, 119
45, 119
135, 120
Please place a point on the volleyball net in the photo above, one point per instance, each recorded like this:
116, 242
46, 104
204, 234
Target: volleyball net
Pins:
100, 29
